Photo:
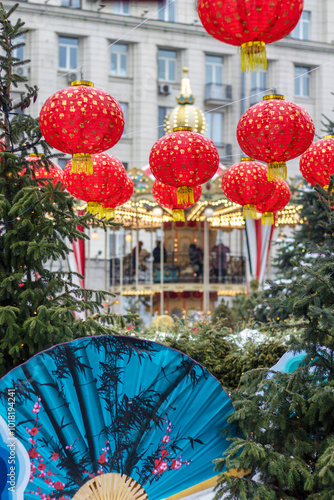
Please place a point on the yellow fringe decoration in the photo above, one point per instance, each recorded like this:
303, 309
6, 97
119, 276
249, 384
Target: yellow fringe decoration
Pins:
277, 170
109, 213
253, 56
185, 195
267, 218
95, 208
178, 215
249, 211
82, 163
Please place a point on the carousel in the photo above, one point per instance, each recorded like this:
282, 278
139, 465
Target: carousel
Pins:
165, 265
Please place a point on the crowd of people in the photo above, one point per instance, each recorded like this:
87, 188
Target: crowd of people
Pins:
218, 260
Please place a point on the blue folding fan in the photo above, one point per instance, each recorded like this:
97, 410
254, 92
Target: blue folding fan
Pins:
289, 362
14, 459
116, 417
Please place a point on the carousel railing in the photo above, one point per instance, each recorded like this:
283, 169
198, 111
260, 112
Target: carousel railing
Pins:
179, 268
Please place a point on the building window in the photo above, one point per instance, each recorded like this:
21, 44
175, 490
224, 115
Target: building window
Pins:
302, 81
162, 113
62, 162
302, 30
119, 59
167, 65
167, 10
73, 4
121, 7
20, 51
124, 106
258, 86
16, 97
68, 53
215, 128
214, 70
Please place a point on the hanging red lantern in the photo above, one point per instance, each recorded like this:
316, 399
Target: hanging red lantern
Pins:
108, 177
250, 25
166, 196
118, 198
317, 163
246, 183
39, 165
81, 120
279, 199
275, 131
184, 159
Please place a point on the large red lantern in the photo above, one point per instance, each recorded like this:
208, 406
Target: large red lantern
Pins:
279, 199
118, 198
44, 169
184, 159
81, 120
275, 131
246, 183
166, 196
317, 163
250, 24
108, 176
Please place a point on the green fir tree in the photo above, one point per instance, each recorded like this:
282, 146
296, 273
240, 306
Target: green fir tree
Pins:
287, 419
37, 305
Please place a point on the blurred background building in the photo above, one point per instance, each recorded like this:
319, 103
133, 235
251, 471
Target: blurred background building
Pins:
136, 51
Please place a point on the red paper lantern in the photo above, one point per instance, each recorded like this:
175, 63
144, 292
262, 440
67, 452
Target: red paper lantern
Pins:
118, 198
81, 120
279, 199
250, 25
38, 165
108, 177
317, 163
246, 183
275, 131
166, 196
184, 159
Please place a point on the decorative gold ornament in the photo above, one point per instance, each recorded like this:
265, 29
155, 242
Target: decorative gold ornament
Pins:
185, 116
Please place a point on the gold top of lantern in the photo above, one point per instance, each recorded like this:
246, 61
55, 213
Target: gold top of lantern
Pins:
82, 82
273, 96
185, 116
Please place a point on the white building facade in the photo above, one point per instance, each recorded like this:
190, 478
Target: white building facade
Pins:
136, 51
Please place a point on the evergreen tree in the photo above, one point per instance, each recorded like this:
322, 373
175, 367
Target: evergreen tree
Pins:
37, 305
254, 307
222, 314
216, 348
287, 420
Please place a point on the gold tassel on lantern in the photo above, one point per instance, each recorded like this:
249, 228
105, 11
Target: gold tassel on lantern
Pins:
109, 213
267, 218
277, 170
178, 215
253, 56
185, 195
95, 209
249, 211
82, 163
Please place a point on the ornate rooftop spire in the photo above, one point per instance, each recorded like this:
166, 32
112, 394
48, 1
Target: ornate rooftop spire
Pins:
186, 95
185, 116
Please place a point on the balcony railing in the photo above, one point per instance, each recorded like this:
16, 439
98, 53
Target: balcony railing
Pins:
216, 92
223, 268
